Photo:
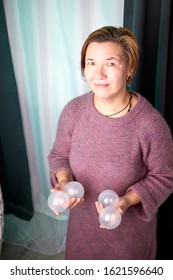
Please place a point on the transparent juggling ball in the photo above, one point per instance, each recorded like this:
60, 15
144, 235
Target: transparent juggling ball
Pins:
58, 201
108, 198
109, 216
74, 189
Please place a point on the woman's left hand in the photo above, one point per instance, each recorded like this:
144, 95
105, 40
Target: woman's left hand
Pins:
129, 199
99, 206
125, 201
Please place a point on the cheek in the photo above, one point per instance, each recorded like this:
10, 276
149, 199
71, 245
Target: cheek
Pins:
88, 75
118, 76
114, 77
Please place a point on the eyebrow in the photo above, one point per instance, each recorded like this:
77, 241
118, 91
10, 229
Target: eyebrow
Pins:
112, 58
109, 58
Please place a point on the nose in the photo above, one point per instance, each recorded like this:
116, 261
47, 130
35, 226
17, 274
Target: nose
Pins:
100, 73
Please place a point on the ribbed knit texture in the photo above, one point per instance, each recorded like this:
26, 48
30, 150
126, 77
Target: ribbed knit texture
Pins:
131, 152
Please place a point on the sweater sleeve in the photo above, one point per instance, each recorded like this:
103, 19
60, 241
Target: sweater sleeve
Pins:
156, 187
59, 155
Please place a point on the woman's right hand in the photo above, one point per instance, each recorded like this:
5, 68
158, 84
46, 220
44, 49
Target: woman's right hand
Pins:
60, 186
73, 201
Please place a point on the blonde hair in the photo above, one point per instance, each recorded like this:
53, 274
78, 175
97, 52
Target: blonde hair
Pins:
120, 35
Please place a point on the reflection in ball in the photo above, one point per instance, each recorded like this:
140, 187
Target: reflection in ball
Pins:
110, 217
74, 189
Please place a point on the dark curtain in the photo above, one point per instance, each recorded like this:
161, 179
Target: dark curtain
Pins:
152, 23
14, 171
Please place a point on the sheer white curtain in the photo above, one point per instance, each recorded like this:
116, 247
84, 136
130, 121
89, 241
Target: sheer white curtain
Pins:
46, 37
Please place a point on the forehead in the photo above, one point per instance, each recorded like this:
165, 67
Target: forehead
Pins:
104, 50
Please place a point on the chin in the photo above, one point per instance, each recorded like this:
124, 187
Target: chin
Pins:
102, 94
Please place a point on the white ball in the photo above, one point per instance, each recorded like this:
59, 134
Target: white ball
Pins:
58, 201
108, 198
110, 217
74, 189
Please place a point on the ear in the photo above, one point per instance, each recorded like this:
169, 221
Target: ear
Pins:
130, 72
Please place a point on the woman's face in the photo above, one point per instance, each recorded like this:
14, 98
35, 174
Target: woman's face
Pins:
106, 70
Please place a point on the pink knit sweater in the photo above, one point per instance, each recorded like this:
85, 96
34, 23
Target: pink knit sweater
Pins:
131, 152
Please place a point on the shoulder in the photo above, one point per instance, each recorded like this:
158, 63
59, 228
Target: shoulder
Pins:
77, 104
149, 115
151, 121
73, 110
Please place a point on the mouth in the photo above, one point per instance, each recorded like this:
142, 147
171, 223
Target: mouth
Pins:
101, 85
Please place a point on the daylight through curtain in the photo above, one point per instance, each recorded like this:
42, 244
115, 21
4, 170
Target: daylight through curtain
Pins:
45, 38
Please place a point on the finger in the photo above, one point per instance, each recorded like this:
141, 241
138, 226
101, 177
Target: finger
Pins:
72, 203
58, 187
99, 206
81, 200
101, 226
121, 210
76, 202
121, 207
55, 188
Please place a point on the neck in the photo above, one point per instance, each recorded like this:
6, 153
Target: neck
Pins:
115, 107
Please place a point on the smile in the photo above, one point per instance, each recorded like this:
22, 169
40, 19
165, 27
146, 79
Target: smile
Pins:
101, 85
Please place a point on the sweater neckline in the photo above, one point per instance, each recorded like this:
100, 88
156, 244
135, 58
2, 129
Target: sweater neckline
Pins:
127, 118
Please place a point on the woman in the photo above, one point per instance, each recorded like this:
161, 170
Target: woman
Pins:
111, 138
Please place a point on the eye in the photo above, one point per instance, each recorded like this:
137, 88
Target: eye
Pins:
111, 64
90, 63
